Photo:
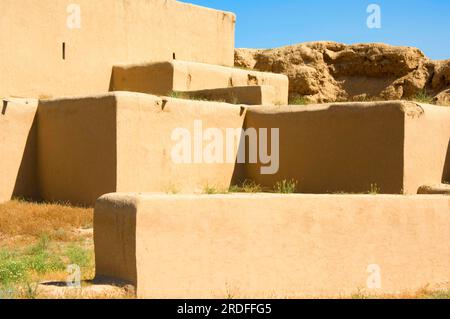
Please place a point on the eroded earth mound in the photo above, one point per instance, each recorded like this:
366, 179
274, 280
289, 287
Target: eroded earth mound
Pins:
330, 71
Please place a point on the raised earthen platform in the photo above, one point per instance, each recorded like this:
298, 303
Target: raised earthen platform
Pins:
272, 246
52, 55
162, 78
393, 146
18, 147
95, 119
123, 142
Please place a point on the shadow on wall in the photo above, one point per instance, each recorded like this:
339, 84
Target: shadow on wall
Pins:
111, 81
240, 169
446, 173
5, 105
26, 186
338, 149
155, 78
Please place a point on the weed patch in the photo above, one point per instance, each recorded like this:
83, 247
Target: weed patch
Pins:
286, 186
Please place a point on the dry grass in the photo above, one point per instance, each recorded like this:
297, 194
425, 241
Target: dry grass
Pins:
19, 218
247, 186
424, 293
37, 243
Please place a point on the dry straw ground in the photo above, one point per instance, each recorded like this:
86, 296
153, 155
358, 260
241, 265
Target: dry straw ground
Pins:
19, 218
37, 243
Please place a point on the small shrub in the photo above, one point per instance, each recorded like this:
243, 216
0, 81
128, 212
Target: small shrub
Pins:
177, 95
40, 260
172, 190
374, 189
299, 100
40, 247
44, 263
78, 256
235, 189
286, 186
15, 267
246, 187
211, 190
12, 271
438, 294
251, 187
186, 96
423, 97
360, 295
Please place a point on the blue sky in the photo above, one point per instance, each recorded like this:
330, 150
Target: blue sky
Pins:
268, 23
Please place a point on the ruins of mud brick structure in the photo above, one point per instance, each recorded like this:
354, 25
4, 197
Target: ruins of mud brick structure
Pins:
115, 136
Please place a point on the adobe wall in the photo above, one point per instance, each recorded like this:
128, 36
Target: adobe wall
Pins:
145, 141
161, 78
335, 147
82, 148
446, 175
32, 34
77, 148
18, 148
123, 142
188, 246
427, 147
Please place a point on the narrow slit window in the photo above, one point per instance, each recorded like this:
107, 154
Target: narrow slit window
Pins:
64, 50
5, 105
174, 56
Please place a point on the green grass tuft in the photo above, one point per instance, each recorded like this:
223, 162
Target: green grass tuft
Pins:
374, 189
423, 97
246, 187
12, 268
78, 255
15, 267
177, 95
40, 260
211, 190
187, 96
286, 186
299, 100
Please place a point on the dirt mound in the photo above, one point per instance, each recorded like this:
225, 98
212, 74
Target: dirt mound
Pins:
330, 71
